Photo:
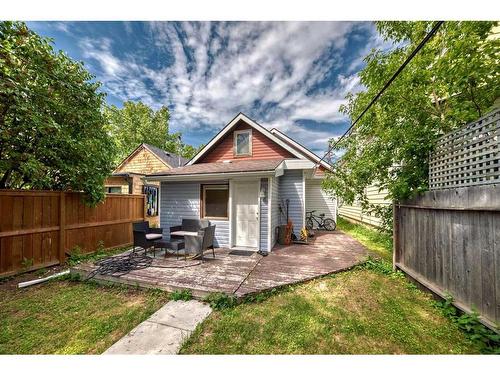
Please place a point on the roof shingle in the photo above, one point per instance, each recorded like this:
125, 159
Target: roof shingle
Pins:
261, 165
171, 159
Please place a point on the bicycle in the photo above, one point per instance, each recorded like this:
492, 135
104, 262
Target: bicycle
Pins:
322, 223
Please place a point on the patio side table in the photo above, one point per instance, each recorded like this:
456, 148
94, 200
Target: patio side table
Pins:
174, 245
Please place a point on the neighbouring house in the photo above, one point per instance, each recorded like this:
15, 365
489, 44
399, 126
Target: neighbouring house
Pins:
355, 212
128, 176
241, 181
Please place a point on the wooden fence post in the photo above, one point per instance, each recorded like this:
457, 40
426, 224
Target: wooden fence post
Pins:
395, 235
62, 227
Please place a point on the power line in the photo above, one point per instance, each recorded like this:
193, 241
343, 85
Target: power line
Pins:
431, 33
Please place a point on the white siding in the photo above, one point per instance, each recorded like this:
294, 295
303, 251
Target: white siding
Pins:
317, 199
354, 211
182, 201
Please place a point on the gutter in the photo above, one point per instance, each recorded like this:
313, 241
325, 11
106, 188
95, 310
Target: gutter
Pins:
209, 176
288, 164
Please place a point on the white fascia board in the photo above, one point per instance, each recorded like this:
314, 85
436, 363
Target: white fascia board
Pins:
280, 169
298, 164
209, 176
309, 153
254, 125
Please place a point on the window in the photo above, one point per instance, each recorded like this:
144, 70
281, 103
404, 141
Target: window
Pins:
114, 189
214, 201
243, 143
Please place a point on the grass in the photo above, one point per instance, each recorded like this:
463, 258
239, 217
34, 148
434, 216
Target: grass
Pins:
76, 256
357, 312
65, 317
368, 310
379, 243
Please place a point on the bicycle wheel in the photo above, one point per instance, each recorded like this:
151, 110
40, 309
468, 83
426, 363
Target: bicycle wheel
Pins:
329, 224
309, 223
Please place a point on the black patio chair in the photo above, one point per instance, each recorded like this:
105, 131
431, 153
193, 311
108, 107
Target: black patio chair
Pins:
144, 236
189, 225
203, 241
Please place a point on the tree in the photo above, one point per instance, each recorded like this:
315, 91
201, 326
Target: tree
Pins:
137, 123
453, 80
52, 133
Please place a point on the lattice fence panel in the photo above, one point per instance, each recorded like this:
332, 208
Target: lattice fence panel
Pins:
468, 156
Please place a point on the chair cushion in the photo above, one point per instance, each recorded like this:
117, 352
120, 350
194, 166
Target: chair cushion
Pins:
153, 236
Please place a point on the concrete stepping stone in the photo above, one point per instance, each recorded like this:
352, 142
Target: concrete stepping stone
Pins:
164, 331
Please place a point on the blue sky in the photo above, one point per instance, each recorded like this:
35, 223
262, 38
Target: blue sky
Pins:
289, 75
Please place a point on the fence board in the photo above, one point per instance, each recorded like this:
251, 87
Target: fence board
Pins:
449, 240
38, 228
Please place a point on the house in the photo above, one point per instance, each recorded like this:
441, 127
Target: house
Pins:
128, 176
241, 181
354, 211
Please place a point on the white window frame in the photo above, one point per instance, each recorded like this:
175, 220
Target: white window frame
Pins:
113, 187
204, 188
235, 145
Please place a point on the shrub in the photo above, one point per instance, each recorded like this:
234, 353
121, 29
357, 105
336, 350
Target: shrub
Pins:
181, 295
219, 301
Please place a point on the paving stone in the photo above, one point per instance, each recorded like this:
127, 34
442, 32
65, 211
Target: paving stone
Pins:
150, 338
165, 331
185, 315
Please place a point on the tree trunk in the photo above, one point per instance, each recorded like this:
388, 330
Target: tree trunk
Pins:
5, 179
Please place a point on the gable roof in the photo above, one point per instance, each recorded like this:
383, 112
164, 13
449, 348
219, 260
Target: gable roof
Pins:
308, 153
254, 125
169, 159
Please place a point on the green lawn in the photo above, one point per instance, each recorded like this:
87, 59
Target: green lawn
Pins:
379, 243
367, 310
64, 317
356, 312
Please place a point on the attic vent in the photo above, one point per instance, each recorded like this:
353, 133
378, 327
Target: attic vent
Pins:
227, 161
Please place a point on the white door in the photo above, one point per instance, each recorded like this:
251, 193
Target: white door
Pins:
246, 213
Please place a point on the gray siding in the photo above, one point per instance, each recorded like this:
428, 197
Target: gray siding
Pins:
178, 201
221, 233
264, 212
182, 200
275, 211
291, 186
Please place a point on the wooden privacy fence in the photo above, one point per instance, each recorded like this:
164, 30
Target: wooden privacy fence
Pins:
449, 241
38, 228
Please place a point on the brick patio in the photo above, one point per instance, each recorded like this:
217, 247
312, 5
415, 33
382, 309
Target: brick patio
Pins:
328, 252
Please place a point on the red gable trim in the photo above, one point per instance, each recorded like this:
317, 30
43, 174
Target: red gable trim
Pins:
262, 147
234, 122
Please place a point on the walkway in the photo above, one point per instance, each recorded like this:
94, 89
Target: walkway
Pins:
165, 331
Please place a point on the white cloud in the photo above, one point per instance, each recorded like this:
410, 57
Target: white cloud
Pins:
212, 78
